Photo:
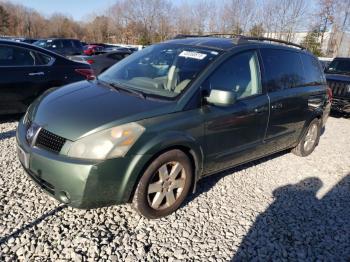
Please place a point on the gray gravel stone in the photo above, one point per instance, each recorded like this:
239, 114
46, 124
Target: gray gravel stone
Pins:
279, 208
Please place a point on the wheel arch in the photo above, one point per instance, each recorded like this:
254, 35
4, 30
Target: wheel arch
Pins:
185, 144
317, 114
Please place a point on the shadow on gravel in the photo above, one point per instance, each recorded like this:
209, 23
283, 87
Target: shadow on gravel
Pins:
7, 134
339, 115
298, 226
10, 118
205, 184
32, 224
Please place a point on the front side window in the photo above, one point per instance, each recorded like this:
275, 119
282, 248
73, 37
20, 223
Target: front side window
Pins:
163, 70
239, 74
48, 44
16, 56
283, 69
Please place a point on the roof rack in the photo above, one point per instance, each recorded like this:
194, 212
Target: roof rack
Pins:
242, 38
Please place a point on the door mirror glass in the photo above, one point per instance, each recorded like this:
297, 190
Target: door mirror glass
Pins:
221, 97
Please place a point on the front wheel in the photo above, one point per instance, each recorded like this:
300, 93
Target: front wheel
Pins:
310, 140
164, 185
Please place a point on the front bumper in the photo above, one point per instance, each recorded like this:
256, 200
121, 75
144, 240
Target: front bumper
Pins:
81, 183
341, 105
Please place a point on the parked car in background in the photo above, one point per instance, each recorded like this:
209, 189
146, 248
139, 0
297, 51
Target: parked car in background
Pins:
338, 79
146, 130
325, 61
122, 49
101, 62
61, 46
27, 71
20, 39
92, 49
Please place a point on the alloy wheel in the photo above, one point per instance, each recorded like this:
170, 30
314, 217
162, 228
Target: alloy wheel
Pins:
166, 185
311, 137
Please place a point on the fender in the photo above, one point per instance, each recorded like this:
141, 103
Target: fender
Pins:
316, 113
155, 146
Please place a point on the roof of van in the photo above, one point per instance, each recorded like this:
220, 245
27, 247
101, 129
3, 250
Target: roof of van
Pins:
224, 43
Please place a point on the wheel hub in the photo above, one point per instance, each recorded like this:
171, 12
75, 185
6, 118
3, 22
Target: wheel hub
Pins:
166, 185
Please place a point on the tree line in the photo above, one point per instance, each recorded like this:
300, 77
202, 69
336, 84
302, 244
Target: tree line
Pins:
149, 21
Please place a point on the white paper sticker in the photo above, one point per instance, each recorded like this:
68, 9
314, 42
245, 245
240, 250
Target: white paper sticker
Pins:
193, 55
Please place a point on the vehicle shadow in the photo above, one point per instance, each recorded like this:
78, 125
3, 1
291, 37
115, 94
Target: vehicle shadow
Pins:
10, 118
298, 226
32, 223
336, 114
7, 134
206, 183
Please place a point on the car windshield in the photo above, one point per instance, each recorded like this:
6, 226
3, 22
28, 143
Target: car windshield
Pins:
45, 43
339, 66
164, 70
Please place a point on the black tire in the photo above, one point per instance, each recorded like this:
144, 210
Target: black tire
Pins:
300, 149
142, 197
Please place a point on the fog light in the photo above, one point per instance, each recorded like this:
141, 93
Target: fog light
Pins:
64, 197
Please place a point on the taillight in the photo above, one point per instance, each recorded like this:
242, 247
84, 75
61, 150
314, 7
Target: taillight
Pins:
330, 94
88, 73
90, 61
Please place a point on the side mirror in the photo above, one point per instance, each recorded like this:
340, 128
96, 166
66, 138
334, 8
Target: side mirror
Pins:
221, 97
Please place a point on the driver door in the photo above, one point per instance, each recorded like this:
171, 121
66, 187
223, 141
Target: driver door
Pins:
235, 133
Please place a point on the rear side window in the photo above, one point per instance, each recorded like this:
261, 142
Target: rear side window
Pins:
42, 59
313, 72
283, 69
239, 73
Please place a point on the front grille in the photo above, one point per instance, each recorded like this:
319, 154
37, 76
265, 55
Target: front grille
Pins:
49, 141
339, 88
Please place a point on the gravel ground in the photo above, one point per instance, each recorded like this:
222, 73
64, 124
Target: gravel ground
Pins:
282, 207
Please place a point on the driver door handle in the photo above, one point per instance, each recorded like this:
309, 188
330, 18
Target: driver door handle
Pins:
36, 74
260, 109
277, 106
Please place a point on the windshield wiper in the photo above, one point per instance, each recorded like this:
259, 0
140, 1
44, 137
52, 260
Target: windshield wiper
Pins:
131, 91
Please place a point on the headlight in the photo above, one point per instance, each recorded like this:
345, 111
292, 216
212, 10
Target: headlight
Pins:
110, 143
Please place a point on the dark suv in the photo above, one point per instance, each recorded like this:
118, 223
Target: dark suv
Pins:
61, 46
338, 79
159, 120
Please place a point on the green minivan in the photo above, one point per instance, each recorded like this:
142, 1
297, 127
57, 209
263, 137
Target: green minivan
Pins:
147, 129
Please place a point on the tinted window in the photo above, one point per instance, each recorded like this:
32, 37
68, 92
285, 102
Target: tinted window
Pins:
240, 74
77, 44
42, 59
67, 43
283, 69
116, 56
14, 56
339, 66
313, 72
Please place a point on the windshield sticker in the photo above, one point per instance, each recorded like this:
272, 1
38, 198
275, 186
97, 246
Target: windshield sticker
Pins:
193, 55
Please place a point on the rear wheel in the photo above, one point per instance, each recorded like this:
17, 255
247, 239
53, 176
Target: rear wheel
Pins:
309, 141
164, 185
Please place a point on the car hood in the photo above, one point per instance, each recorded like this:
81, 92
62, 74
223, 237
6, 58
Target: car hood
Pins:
336, 77
81, 108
